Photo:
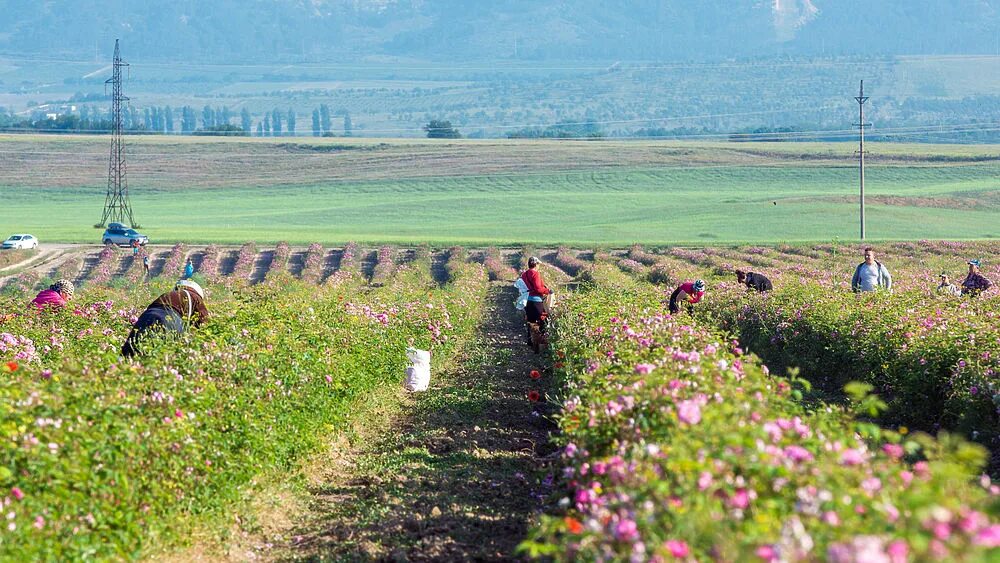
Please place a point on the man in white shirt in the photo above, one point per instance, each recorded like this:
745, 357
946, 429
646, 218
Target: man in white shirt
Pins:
948, 288
871, 275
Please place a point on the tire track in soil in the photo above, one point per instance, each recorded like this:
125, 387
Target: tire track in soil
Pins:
455, 476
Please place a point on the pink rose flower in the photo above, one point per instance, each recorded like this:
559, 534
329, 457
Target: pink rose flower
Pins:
677, 548
898, 551
689, 412
704, 480
767, 553
626, 530
798, 453
852, 456
988, 537
740, 499
895, 451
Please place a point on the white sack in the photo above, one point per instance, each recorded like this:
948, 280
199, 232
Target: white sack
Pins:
522, 297
418, 375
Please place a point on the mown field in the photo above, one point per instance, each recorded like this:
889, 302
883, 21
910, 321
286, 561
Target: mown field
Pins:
678, 437
468, 192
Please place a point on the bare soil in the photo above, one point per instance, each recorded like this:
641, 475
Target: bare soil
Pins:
453, 476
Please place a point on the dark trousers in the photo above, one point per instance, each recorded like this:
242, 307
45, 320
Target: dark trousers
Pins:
153, 320
675, 306
534, 311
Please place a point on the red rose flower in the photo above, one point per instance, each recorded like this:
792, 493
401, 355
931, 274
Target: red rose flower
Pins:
535, 374
534, 396
573, 525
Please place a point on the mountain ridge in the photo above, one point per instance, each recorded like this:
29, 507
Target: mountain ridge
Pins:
326, 30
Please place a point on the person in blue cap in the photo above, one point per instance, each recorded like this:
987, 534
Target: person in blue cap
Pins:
975, 283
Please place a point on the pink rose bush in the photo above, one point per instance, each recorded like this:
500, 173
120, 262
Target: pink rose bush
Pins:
567, 260
348, 268
173, 266
934, 359
109, 459
313, 263
279, 262
497, 267
209, 267
385, 265
709, 457
246, 259
107, 264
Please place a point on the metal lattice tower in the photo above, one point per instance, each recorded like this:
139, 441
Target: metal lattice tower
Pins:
117, 208
861, 125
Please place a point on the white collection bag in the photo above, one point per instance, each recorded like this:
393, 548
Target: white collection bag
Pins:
418, 375
522, 296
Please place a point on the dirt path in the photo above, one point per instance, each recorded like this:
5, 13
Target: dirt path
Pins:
454, 476
48, 258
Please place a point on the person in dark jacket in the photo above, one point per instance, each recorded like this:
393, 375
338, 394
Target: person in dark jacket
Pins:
168, 314
755, 281
975, 283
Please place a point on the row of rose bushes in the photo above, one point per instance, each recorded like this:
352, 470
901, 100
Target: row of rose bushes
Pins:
935, 360
103, 458
679, 445
913, 265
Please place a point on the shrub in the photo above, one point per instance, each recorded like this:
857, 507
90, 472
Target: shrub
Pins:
679, 445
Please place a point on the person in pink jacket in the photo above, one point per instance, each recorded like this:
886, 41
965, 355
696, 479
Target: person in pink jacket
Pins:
687, 292
55, 296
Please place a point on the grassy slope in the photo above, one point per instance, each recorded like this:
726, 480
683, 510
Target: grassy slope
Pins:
477, 192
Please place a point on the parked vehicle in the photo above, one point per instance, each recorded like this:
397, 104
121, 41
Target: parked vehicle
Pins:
119, 234
20, 242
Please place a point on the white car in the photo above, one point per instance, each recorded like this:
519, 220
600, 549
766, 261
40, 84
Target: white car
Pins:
20, 241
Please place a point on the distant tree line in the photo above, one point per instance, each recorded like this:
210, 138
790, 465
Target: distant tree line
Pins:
322, 121
441, 129
564, 130
185, 120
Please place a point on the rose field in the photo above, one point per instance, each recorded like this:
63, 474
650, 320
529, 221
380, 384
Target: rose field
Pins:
808, 423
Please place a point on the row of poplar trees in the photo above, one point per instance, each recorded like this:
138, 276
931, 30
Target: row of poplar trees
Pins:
276, 123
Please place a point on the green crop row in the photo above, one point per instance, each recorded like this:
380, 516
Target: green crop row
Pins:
679, 445
106, 458
934, 360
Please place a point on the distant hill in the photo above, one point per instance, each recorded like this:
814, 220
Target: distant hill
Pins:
468, 30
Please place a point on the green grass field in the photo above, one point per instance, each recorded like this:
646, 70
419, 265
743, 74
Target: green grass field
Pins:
503, 192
